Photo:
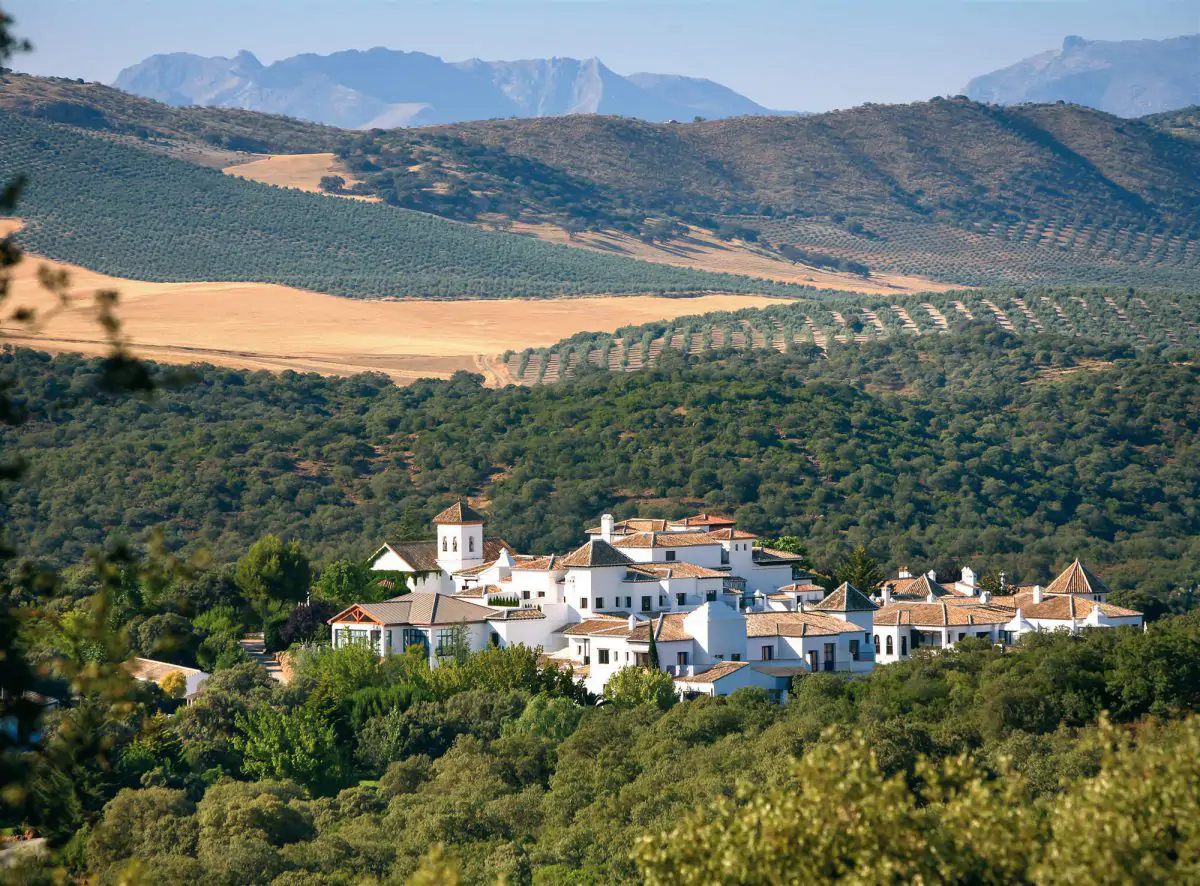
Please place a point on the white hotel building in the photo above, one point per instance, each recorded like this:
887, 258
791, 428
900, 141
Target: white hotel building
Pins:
724, 612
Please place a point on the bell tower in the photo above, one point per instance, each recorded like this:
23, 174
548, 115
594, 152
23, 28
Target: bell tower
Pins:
459, 537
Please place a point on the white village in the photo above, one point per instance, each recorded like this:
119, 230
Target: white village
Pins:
697, 598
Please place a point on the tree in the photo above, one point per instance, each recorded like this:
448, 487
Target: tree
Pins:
306, 623
633, 686
861, 570
549, 717
652, 652
273, 571
295, 745
333, 184
345, 582
174, 684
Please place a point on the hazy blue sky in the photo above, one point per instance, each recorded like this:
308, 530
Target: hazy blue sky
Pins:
797, 54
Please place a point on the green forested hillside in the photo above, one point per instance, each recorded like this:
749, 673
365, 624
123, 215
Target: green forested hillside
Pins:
1013, 452
133, 213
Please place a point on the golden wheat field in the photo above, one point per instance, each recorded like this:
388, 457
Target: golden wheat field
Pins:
265, 326
300, 171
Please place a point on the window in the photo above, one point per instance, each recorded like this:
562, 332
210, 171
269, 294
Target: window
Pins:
983, 635
670, 556
768, 653
681, 599
495, 639
830, 656
890, 648
682, 659
854, 650
583, 603
599, 602
541, 593
446, 640
662, 600
646, 604
629, 602
524, 595
454, 545
904, 645
737, 656
413, 637
876, 644
724, 557
601, 656
711, 596
471, 544
445, 546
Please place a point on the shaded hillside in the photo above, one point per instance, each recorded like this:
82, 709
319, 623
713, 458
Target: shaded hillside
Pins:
1021, 452
133, 213
1126, 77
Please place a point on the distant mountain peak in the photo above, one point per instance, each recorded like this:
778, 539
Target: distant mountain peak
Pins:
386, 87
1129, 78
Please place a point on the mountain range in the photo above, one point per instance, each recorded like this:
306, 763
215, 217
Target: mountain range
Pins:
383, 88
1129, 78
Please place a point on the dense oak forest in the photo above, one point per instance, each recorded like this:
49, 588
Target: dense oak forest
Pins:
132, 213
979, 446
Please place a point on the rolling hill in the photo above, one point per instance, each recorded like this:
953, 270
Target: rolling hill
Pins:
133, 213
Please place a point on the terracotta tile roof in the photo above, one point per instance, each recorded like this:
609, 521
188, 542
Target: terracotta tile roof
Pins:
800, 587
846, 598
772, 557
796, 624
1063, 607
665, 540
731, 535
668, 627
422, 555
917, 588
716, 672
705, 520
1077, 579
155, 671
420, 608
634, 524
941, 614
539, 564
476, 570
677, 570
507, 614
595, 553
458, 514
599, 627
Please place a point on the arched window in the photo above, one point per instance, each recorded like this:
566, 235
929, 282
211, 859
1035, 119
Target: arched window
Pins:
889, 645
471, 544
443, 544
876, 644
454, 545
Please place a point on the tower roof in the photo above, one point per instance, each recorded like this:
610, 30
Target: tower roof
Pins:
596, 553
846, 598
1077, 579
459, 514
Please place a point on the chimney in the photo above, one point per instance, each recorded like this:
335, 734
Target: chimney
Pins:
904, 573
887, 593
606, 527
1003, 582
985, 597
1037, 594
931, 575
968, 577
632, 622
802, 606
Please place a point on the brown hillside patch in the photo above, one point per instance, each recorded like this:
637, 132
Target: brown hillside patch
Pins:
704, 252
300, 171
265, 326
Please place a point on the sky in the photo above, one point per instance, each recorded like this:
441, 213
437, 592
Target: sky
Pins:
809, 55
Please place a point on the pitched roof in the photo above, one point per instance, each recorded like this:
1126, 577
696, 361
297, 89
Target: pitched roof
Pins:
634, 524
941, 615
676, 569
598, 627
846, 598
917, 588
665, 540
703, 519
459, 513
772, 557
731, 534
422, 555
1077, 579
668, 627
796, 624
154, 671
595, 553
507, 614
419, 608
1062, 607
801, 587
716, 672
539, 564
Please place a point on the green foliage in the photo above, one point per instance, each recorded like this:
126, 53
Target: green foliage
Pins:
345, 582
551, 717
297, 745
274, 571
174, 684
861, 570
633, 686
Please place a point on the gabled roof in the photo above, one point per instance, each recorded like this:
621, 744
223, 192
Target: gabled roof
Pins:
459, 514
508, 614
940, 615
1062, 607
718, 671
422, 555
1077, 579
731, 534
667, 626
665, 540
634, 524
796, 624
772, 557
676, 569
539, 564
595, 553
918, 588
846, 598
703, 519
417, 608
800, 587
